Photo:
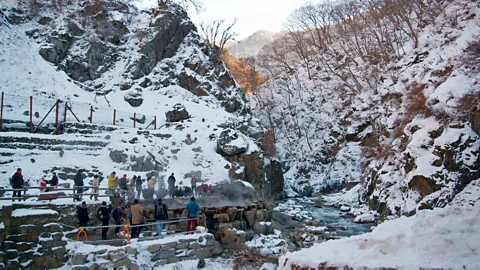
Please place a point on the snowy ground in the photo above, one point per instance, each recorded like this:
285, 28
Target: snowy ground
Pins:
444, 238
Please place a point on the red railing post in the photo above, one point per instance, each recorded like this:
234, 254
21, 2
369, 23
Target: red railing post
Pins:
114, 115
155, 122
91, 114
1, 112
57, 127
134, 120
31, 114
65, 114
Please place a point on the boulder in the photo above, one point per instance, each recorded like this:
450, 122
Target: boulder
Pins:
231, 142
178, 113
118, 156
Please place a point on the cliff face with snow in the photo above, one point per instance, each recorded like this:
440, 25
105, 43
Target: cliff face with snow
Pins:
403, 130
149, 64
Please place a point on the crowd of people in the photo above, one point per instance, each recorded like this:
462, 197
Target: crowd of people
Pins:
124, 195
135, 215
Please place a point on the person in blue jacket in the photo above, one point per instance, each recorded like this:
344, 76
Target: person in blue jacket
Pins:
192, 209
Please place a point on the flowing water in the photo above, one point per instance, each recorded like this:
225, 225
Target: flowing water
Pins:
332, 216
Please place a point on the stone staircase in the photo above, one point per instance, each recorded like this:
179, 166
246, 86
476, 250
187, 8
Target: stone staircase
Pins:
18, 143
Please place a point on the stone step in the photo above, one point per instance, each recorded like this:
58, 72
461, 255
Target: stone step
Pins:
49, 128
49, 147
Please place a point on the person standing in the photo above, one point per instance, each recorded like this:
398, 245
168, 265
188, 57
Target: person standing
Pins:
17, 182
123, 184
82, 214
152, 182
117, 200
54, 181
104, 215
171, 185
138, 186
192, 209
95, 184
117, 215
42, 183
78, 180
161, 214
131, 184
137, 218
112, 182
194, 186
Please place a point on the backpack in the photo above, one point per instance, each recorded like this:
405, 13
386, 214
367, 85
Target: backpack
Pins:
160, 211
100, 214
115, 214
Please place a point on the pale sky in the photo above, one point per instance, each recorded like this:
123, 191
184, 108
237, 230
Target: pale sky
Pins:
253, 15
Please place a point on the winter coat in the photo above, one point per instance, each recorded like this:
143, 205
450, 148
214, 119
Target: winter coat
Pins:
53, 181
112, 181
193, 208
138, 182
82, 214
78, 180
119, 216
117, 200
137, 213
122, 182
95, 184
151, 183
17, 181
158, 215
171, 180
194, 182
106, 212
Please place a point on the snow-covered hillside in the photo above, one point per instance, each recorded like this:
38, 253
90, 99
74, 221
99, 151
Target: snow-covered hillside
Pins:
401, 128
128, 57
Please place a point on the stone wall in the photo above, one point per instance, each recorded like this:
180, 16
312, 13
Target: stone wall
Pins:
147, 254
38, 241
31, 242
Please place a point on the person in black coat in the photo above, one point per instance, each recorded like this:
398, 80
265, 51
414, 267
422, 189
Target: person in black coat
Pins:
82, 214
54, 181
171, 185
17, 182
104, 215
138, 186
78, 180
161, 214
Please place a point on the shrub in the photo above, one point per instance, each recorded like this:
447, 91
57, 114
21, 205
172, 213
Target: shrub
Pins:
472, 53
467, 104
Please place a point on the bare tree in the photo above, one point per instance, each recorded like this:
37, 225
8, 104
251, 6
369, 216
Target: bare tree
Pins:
216, 33
196, 4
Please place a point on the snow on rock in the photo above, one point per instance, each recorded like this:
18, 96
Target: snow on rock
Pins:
268, 244
365, 218
32, 212
443, 238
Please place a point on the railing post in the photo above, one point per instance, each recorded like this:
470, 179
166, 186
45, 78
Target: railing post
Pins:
114, 115
31, 114
57, 126
74, 193
65, 113
155, 122
1, 112
134, 120
91, 114
24, 193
